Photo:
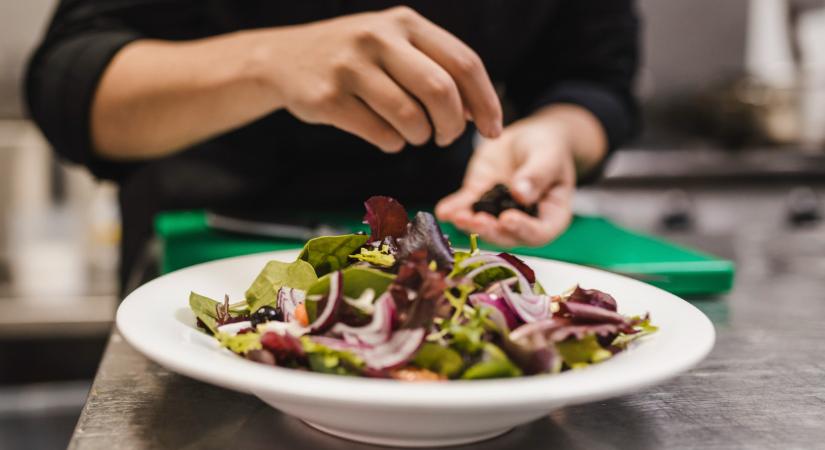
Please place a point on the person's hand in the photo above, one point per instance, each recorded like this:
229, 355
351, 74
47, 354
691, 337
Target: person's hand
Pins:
389, 77
535, 159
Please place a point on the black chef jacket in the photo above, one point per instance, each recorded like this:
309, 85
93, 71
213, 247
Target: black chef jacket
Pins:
537, 51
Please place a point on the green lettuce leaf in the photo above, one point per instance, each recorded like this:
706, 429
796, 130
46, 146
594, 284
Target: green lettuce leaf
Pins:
582, 352
494, 364
355, 280
439, 359
375, 257
330, 253
644, 328
467, 338
326, 360
240, 343
264, 290
204, 309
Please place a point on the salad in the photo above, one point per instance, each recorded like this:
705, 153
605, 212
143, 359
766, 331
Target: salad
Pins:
401, 303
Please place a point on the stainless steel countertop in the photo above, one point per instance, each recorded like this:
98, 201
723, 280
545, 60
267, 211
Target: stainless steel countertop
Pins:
763, 386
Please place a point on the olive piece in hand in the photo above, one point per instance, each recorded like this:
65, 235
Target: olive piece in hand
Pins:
498, 199
265, 314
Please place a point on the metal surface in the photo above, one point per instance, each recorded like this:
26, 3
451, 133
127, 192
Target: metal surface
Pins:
763, 386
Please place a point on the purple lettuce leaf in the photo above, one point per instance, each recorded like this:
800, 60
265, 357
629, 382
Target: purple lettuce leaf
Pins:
424, 233
584, 313
386, 217
521, 266
417, 291
593, 297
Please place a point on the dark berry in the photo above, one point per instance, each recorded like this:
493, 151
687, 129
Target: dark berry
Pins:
265, 314
498, 199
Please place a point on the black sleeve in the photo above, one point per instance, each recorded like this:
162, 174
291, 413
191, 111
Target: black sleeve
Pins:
587, 56
64, 72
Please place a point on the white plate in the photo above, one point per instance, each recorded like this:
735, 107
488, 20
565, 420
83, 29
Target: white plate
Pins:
155, 319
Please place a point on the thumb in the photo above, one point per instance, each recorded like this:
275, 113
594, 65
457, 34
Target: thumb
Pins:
534, 177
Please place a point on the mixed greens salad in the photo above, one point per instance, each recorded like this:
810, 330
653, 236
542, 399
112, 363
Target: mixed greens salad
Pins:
402, 303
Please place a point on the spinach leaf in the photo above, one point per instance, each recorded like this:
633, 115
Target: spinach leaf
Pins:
264, 290
439, 359
355, 280
330, 253
204, 309
494, 364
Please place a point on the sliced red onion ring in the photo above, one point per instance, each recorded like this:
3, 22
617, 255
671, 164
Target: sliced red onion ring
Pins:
338, 344
364, 302
235, 327
377, 331
500, 312
530, 308
492, 261
289, 299
551, 331
397, 351
530, 347
401, 347
540, 326
334, 298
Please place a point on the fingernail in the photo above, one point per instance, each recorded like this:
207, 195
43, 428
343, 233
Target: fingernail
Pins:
496, 129
524, 188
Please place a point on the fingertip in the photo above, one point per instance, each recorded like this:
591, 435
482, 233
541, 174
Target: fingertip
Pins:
462, 219
442, 212
392, 146
524, 190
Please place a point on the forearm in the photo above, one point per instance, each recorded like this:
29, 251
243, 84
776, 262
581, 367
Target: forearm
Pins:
584, 134
158, 97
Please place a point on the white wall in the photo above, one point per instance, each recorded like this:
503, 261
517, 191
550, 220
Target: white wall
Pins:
21, 24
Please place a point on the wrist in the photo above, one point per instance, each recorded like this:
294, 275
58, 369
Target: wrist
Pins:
578, 129
257, 52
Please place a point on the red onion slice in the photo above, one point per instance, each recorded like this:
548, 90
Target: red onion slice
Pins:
234, 327
377, 331
337, 344
397, 351
500, 312
530, 308
334, 298
492, 261
401, 347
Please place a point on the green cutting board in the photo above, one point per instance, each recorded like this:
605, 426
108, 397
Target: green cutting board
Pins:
592, 241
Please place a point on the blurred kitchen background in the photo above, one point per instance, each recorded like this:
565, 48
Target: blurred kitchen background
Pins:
734, 101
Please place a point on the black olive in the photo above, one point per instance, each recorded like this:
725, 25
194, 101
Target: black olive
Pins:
265, 314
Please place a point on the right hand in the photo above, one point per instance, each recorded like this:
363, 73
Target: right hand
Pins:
390, 77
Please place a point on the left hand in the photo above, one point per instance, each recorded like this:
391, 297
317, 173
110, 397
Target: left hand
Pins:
534, 157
